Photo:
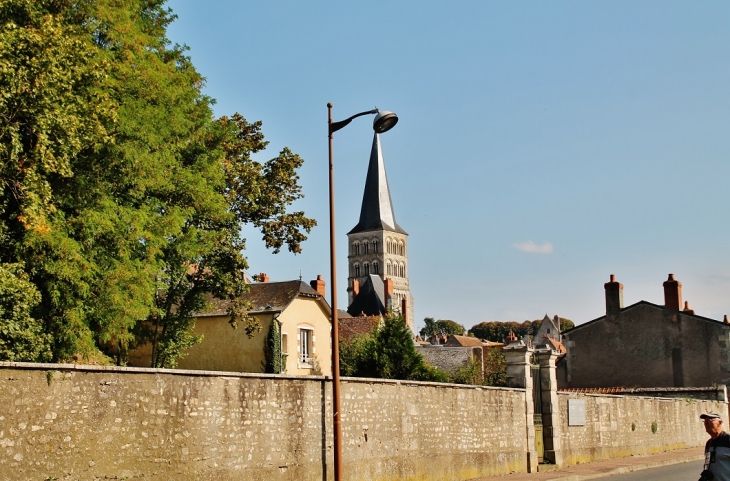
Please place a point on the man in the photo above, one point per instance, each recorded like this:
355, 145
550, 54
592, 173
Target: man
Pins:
717, 449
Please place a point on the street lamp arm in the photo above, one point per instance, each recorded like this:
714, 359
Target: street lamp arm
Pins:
335, 126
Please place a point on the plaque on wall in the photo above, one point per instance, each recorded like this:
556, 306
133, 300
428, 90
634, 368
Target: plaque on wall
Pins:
576, 412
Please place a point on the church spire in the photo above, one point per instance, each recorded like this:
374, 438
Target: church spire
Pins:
377, 209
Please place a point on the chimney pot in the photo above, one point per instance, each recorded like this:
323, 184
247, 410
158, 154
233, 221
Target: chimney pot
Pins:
672, 293
263, 277
726, 320
614, 296
318, 285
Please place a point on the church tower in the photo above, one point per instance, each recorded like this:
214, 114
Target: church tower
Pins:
378, 246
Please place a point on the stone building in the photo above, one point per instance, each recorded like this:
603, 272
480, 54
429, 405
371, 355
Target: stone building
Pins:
378, 246
646, 345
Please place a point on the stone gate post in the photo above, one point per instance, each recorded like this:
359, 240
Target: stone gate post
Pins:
518, 354
550, 410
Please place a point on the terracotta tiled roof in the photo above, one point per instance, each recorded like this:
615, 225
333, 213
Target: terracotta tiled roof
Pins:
595, 390
556, 345
462, 341
353, 326
264, 297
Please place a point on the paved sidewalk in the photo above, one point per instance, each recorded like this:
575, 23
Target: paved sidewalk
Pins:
599, 469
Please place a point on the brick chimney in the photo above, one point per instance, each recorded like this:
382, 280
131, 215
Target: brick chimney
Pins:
404, 309
614, 296
355, 288
687, 309
389, 287
263, 277
318, 285
672, 293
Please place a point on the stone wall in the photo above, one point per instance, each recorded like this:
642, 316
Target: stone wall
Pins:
449, 358
619, 426
86, 423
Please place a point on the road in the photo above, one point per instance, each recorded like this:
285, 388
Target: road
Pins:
676, 472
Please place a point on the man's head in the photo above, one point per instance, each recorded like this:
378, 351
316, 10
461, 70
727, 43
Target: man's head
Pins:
713, 424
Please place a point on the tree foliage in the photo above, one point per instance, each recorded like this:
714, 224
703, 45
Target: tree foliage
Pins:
121, 195
274, 359
497, 331
388, 353
444, 326
565, 324
21, 336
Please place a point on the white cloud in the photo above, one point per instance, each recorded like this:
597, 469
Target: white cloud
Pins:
532, 248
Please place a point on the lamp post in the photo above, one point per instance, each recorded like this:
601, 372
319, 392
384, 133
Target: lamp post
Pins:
383, 122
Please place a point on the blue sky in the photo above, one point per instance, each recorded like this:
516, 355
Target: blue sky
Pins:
542, 146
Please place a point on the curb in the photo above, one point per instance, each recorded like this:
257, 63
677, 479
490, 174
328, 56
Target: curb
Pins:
629, 469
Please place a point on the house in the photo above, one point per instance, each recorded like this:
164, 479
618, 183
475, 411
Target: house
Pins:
304, 320
548, 335
646, 345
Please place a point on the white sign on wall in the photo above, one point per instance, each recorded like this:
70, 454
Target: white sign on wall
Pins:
576, 412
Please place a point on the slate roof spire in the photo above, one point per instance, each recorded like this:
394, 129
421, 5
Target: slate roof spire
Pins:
377, 209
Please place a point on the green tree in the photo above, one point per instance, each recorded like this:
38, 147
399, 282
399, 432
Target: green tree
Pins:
429, 329
21, 336
445, 326
495, 367
121, 194
274, 358
388, 353
565, 324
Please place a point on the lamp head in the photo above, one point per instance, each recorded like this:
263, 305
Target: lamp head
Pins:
384, 121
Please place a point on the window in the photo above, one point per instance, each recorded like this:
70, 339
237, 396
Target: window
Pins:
305, 346
367, 268
365, 247
375, 247
284, 343
356, 249
375, 268
357, 270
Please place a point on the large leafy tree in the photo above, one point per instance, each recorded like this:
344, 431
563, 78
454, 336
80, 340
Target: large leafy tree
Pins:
445, 326
121, 195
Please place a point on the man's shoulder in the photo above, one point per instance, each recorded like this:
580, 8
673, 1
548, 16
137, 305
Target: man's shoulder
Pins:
722, 441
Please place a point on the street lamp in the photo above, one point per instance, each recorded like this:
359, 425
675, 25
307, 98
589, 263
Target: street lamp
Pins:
383, 122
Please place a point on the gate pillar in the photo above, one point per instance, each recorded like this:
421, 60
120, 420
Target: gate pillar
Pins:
550, 409
518, 355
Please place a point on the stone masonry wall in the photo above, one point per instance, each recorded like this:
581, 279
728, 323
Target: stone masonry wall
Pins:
85, 423
447, 358
619, 426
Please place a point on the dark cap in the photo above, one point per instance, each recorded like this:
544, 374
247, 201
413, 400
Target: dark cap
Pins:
710, 415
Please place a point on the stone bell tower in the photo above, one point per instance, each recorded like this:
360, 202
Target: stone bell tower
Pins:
378, 246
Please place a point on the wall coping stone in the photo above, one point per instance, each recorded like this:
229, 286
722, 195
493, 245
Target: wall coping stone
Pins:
620, 396
47, 366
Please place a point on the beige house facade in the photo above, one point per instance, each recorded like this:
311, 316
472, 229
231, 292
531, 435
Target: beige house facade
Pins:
303, 316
